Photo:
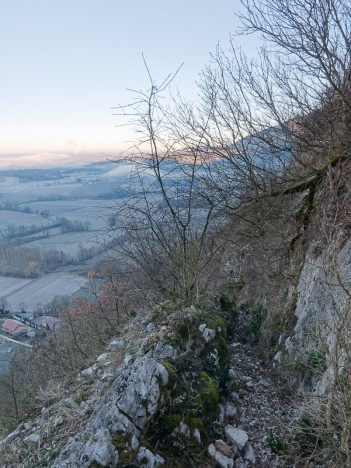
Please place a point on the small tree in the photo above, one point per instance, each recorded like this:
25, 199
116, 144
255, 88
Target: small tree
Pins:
168, 228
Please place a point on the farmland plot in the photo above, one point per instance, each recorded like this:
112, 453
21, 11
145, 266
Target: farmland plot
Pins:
94, 214
44, 289
68, 243
62, 207
10, 285
21, 219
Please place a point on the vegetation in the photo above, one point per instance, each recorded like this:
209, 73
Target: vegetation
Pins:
242, 182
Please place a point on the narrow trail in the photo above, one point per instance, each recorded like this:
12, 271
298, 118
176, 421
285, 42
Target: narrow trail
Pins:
260, 411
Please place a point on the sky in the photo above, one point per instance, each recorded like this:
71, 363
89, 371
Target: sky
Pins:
65, 63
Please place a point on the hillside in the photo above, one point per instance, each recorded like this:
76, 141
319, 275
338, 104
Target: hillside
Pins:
237, 381
215, 329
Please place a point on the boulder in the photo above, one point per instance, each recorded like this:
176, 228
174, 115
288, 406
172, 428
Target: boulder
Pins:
147, 459
222, 460
237, 436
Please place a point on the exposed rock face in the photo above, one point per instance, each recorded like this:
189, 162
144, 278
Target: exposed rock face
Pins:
125, 409
99, 449
146, 390
319, 294
147, 459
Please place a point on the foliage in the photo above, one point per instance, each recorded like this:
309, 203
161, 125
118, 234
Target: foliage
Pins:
252, 331
191, 397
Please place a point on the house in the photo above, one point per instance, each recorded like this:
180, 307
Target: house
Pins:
13, 327
50, 322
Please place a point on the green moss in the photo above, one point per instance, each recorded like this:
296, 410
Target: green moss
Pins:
122, 442
195, 423
214, 322
172, 371
226, 302
192, 395
209, 395
171, 421
252, 332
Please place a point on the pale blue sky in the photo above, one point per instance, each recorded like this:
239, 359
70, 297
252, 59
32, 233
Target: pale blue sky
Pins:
64, 63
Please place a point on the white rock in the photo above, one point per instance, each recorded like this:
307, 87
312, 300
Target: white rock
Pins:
230, 410
165, 351
88, 373
58, 421
151, 327
134, 442
183, 429
202, 327
249, 454
237, 436
208, 334
131, 401
289, 345
222, 447
116, 344
99, 449
108, 377
197, 435
148, 460
103, 357
128, 359
222, 460
32, 439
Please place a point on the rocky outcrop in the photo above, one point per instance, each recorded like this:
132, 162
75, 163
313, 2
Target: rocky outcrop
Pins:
132, 400
133, 390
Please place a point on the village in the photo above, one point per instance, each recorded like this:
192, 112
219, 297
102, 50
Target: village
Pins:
19, 330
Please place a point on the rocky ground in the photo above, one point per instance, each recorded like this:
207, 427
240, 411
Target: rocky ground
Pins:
120, 394
257, 408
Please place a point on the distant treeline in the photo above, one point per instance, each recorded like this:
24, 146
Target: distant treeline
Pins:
15, 206
12, 231
31, 262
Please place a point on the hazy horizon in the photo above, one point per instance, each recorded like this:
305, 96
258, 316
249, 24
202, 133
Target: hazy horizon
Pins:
47, 160
66, 64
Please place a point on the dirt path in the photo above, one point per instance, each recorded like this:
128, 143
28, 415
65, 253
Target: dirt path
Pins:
259, 409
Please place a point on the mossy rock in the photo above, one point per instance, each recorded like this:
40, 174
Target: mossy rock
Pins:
209, 395
171, 422
122, 442
192, 395
172, 372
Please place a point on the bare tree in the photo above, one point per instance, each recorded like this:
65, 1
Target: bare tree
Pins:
278, 121
169, 226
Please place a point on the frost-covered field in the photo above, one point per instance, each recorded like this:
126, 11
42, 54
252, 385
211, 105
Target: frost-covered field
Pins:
43, 290
95, 214
21, 219
10, 285
68, 243
62, 207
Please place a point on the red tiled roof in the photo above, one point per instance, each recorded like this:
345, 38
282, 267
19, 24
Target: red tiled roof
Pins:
13, 327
